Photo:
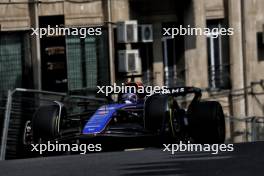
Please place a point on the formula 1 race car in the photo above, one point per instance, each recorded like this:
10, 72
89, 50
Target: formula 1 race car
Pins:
133, 119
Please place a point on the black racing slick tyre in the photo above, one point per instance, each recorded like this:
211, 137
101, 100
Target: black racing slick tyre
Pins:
46, 123
156, 113
207, 122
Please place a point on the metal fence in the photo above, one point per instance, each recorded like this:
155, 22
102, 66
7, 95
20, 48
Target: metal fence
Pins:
253, 128
20, 105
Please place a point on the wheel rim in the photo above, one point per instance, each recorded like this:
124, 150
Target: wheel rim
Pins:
27, 134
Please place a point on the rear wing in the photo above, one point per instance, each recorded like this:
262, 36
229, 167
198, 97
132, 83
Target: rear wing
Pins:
182, 91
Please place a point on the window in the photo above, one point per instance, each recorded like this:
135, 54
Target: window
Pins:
81, 62
87, 62
14, 49
53, 56
260, 45
173, 58
218, 61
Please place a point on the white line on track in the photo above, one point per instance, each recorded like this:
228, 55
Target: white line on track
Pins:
133, 149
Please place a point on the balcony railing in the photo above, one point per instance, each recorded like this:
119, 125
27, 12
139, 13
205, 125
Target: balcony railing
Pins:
219, 76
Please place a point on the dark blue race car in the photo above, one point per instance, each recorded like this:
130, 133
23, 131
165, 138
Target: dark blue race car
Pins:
133, 120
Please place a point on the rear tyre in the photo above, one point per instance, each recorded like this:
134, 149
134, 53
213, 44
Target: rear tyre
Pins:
207, 122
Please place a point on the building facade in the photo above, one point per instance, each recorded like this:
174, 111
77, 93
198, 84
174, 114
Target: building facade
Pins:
228, 68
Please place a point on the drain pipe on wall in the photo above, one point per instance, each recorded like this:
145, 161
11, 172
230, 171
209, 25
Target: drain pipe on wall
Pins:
36, 52
243, 18
110, 43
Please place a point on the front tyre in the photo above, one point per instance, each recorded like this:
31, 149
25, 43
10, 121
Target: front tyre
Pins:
47, 122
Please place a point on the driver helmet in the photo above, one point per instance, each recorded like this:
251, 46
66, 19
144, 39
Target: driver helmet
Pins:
129, 98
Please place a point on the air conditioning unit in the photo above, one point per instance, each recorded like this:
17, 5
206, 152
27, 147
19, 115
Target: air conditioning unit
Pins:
129, 61
127, 32
145, 33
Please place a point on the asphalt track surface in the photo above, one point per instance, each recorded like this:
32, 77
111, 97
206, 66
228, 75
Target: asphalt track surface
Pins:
246, 160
